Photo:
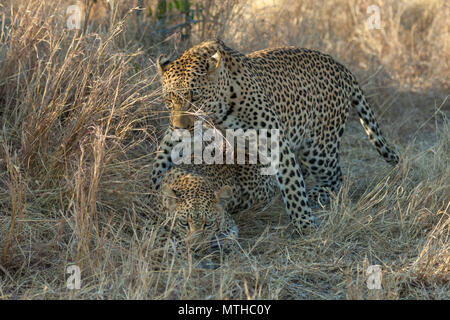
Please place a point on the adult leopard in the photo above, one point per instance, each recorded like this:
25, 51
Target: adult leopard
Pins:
303, 93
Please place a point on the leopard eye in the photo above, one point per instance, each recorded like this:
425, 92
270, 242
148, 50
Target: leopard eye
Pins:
184, 222
195, 96
209, 223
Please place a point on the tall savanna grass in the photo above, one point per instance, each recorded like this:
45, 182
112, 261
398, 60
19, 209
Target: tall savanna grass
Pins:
81, 115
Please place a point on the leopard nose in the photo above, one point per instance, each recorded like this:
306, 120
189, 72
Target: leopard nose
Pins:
195, 229
194, 236
181, 120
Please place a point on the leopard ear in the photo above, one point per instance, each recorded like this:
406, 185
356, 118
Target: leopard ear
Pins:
224, 195
169, 196
215, 62
162, 63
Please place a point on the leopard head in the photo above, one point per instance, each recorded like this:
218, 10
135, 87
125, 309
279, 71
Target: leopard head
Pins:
195, 209
196, 86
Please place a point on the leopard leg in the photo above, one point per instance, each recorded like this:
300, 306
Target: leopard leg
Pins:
226, 240
163, 160
292, 187
323, 164
329, 180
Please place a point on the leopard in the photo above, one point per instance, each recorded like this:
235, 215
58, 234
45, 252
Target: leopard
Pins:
198, 203
302, 93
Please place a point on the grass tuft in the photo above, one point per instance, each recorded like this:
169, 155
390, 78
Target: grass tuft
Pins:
81, 114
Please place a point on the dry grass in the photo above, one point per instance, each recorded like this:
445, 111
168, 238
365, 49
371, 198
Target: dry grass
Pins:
80, 112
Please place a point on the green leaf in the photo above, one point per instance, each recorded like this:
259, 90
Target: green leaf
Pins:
177, 4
